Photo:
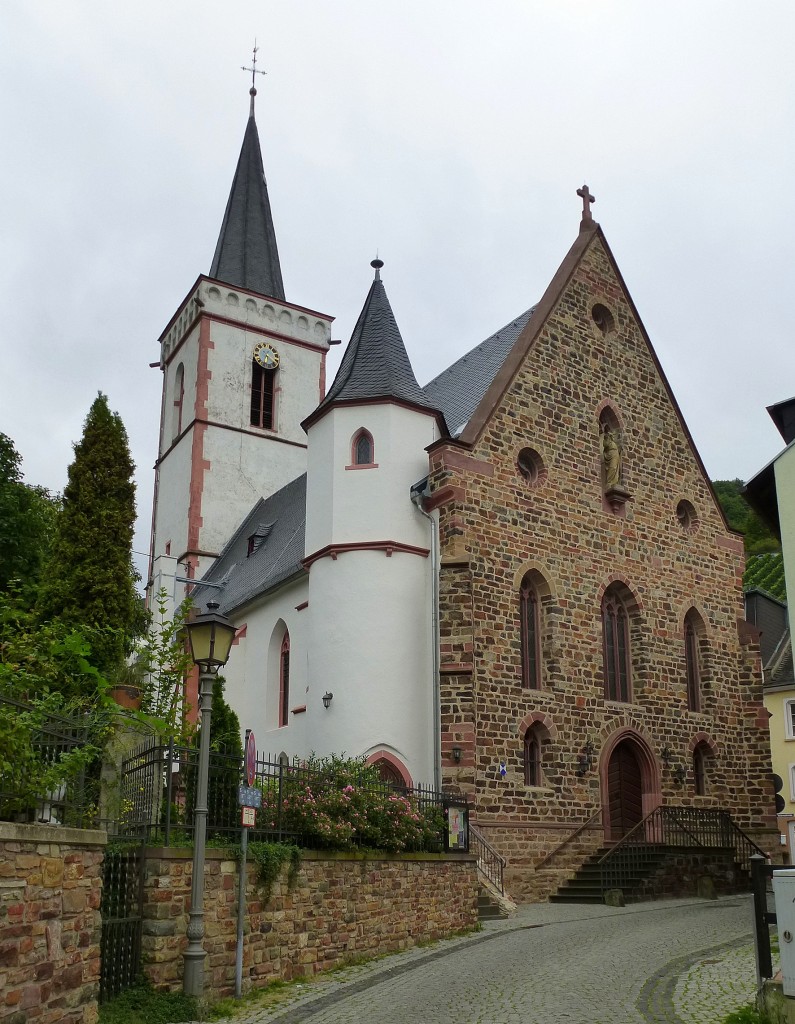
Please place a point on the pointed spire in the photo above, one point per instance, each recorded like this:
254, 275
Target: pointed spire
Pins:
246, 255
376, 364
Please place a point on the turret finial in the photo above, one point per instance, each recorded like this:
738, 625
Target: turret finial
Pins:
254, 71
377, 264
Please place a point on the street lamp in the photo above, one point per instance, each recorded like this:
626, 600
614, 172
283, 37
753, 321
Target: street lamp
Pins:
210, 636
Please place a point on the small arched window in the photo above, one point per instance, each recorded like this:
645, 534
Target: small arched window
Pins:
532, 759
179, 396
617, 650
284, 680
530, 625
700, 762
362, 449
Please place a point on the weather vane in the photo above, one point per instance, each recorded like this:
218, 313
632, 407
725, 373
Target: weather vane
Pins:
254, 71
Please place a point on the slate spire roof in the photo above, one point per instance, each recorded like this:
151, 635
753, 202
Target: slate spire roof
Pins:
376, 364
246, 255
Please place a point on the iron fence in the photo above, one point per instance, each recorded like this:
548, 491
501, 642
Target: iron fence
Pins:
315, 804
37, 781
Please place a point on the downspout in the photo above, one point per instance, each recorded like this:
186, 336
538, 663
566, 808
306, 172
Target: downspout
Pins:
418, 492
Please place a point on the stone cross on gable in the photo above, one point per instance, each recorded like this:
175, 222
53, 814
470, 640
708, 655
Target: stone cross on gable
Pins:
587, 199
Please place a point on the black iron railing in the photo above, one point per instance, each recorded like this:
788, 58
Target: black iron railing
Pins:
40, 782
122, 920
315, 804
490, 864
666, 826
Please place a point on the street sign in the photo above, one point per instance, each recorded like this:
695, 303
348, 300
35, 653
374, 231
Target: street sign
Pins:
248, 817
251, 757
249, 796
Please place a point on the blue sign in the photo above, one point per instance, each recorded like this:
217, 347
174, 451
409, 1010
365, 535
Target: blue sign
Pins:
249, 796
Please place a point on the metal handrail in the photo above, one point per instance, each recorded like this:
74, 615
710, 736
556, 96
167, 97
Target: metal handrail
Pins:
490, 863
691, 827
565, 842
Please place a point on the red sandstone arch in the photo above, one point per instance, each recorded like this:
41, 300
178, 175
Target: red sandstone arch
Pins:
651, 787
703, 739
392, 762
541, 718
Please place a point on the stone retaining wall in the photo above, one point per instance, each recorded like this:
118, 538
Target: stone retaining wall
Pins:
50, 889
339, 907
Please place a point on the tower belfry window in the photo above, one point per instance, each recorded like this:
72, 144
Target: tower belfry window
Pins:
262, 396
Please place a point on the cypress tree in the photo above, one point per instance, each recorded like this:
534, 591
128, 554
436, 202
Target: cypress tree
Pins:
90, 579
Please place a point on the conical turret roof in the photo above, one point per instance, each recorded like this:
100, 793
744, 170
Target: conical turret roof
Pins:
376, 364
246, 255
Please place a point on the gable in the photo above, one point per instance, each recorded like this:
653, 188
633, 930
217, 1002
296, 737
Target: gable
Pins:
582, 354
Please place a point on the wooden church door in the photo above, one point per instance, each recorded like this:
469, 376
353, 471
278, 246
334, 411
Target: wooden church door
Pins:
625, 790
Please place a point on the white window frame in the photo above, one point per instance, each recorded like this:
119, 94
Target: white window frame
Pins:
792, 783
789, 719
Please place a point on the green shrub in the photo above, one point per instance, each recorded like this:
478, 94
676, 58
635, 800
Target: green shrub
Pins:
142, 1005
339, 803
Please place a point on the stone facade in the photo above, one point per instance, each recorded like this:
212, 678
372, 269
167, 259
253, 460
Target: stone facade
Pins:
556, 526
339, 907
50, 890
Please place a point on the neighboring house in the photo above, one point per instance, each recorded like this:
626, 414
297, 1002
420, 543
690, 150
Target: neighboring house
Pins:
771, 493
515, 581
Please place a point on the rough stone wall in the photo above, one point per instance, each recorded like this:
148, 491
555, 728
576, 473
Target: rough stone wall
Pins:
339, 907
50, 890
496, 525
682, 871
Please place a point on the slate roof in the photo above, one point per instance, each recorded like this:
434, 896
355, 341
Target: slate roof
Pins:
458, 390
277, 526
376, 364
246, 255
780, 667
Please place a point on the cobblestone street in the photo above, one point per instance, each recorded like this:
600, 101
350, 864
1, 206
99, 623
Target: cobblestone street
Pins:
672, 962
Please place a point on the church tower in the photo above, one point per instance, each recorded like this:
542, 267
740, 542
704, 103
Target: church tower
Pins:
242, 367
370, 552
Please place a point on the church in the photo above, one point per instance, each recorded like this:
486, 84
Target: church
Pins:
514, 582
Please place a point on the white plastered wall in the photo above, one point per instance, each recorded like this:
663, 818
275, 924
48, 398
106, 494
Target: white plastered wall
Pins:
252, 672
370, 612
784, 468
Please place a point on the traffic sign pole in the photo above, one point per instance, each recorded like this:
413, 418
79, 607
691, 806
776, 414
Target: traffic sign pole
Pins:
251, 767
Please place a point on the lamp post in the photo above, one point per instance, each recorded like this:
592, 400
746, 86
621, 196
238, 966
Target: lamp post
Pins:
210, 637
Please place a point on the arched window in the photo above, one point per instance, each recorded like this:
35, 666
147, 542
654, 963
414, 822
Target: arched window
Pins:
700, 760
530, 626
691, 660
536, 744
179, 395
617, 649
362, 449
263, 390
533, 774
284, 680
694, 633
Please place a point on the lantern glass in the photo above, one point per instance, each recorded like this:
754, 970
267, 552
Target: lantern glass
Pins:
210, 636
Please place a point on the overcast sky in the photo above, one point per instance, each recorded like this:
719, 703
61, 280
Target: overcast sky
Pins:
449, 135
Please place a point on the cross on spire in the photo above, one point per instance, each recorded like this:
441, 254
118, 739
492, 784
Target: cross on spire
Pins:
587, 199
254, 71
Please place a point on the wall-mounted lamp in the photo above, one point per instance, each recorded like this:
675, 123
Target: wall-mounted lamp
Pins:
666, 756
328, 697
680, 774
585, 759
457, 754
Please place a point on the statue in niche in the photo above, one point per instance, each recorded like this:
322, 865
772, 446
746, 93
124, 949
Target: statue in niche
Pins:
612, 452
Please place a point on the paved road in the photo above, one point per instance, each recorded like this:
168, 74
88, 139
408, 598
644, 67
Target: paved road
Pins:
672, 962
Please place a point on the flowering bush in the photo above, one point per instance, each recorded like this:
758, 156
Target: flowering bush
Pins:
338, 803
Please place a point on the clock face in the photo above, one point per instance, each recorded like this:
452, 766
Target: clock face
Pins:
266, 355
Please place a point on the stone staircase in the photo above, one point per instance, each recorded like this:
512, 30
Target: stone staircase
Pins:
631, 868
